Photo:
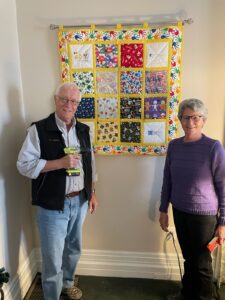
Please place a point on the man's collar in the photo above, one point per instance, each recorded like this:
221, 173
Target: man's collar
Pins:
62, 124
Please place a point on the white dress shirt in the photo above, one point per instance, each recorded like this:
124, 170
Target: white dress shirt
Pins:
30, 164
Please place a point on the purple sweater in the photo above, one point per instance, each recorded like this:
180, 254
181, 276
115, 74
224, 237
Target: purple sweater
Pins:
194, 178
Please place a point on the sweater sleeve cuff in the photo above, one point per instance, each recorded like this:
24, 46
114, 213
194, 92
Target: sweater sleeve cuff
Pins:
164, 208
221, 221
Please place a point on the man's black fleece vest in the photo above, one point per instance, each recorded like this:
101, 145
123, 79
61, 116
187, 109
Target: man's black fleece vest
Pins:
48, 190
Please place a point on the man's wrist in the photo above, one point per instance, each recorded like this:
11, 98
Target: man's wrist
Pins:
93, 191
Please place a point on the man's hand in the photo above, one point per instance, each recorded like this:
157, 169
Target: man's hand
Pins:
70, 161
93, 204
65, 162
164, 221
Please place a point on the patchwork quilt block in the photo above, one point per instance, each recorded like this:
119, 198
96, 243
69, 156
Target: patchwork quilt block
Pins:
85, 81
107, 108
107, 132
86, 109
81, 56
130, 132
157, 54
91, 125
155, 108
130, 81
156, 82
130, 108
106, 55
154, 132
106, 83
132, 55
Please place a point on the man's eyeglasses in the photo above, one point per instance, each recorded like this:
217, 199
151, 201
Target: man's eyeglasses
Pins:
195, 119
65, 100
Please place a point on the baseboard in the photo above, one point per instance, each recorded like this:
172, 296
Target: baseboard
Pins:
127, 264
18, 286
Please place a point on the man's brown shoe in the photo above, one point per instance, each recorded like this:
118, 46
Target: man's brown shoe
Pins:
72, 293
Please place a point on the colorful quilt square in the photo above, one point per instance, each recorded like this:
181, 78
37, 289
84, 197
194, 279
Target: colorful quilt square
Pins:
85, 81
155, 108
107, 108
106, 55
157, 54
155, 132
82, 56
156, 82
131, 82
107, 132
132, 55
106, 82
86, 109
130, 132
91, 125
130, 108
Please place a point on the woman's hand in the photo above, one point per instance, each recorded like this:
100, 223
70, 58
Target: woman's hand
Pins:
164, 221
220, 233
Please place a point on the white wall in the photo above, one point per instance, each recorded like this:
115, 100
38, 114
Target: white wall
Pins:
16, 240
129, 187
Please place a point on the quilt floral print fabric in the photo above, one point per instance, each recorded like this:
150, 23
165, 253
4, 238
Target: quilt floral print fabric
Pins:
130, 85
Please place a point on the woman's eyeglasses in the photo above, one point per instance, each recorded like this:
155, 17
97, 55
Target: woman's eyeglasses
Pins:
195, 119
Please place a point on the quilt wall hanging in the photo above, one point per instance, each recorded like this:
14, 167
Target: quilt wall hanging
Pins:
130, 85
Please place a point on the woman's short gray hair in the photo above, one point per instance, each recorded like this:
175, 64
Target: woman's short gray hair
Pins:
195, 105
69, 85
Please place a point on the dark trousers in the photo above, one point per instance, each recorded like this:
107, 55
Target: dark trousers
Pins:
193, 233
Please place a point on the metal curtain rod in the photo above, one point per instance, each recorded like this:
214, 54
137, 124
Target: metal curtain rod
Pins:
187, 21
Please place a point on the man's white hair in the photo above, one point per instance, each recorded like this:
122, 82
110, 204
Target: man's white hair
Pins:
65, 85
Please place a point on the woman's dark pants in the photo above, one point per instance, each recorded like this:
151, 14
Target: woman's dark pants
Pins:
194, 233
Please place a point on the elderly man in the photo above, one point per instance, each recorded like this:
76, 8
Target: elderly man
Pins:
62, 200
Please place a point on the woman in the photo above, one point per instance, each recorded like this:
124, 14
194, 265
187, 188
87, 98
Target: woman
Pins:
194, 183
